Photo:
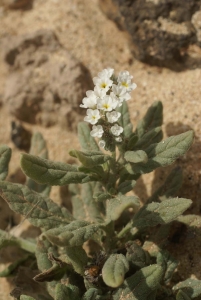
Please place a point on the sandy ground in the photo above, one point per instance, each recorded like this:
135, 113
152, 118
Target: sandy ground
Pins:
94, 40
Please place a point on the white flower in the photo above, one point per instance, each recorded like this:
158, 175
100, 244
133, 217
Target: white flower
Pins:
119, 94
103, 82
97, 131
125, 79
106, 72
113, 116
106, 103
102, 144
99, 93
93, 115
118, 139
116, 130
90, 101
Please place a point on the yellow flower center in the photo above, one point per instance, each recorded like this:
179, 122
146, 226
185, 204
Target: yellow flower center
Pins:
106, 106
103, 85
124, 84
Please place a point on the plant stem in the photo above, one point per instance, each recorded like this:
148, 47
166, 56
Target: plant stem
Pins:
125, 230
26, 245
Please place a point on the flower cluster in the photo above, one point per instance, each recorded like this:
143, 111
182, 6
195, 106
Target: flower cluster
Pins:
101, 103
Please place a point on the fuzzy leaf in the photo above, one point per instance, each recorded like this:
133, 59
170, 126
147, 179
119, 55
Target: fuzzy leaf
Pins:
160, 213
45, 171
74, 234
182, 296
87, 142
39, 210
151, 137
84, 206
90, 159
191, 220
76, 256
124, 120
126, 186
91, 294
192, 287
163, 153
43, 251
56, 272
168, 263
114, 269
140, 285
116, 206
132, 141
136, 256
66, 292
5, 155
38, 148
136, 156
152, 119
170, 187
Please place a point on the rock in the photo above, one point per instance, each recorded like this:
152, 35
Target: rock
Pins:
46, 83
159, 29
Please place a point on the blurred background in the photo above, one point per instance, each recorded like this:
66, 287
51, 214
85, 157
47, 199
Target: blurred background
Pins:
50, 51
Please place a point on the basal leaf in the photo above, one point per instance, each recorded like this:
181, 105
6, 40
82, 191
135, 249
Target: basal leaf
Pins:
74, 234
114, 270
87, 142
116, 206
191, 287
152, 119
170, 187
91, 294
75, 256
138, 156
38, 209
45, 171
182, 296
163, 153
124, 120
140, 285
160, 213
168, 263
66, 292
44, 250
38, 148
136, 256
126, 186
5, 155
90, 159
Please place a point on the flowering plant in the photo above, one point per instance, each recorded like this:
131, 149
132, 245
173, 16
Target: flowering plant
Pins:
108, 246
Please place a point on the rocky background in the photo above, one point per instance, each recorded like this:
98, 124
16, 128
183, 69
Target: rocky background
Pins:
49, 53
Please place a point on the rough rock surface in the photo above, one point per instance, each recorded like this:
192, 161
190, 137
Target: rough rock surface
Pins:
44, 79
160, 30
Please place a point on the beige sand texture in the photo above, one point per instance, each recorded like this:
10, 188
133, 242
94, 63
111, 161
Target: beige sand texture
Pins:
95, 41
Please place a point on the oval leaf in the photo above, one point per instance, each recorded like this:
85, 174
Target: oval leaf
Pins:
5, 155
114, 270
67, 292
87, 142
90, 159
138, 156
191, 287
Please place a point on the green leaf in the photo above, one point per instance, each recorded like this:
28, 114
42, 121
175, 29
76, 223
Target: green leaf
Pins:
66, 292
75, 256
136, 256
168, 263
13, 267
5, 155
152, 119
43, 251
192, 287
116, 206
163, 153
74, 234
87, 142
151, 137
140, 285
38, 147
45, 171
84, 206
170, 187
191, 220
91, 294
7, 239
133, 138
114, 270
39, 210
182, 296
136, 156
25, 297
160, 213
90, 159
126, 186
124, 120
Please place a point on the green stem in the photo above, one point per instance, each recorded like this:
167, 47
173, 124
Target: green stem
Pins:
26, 245
126, 229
